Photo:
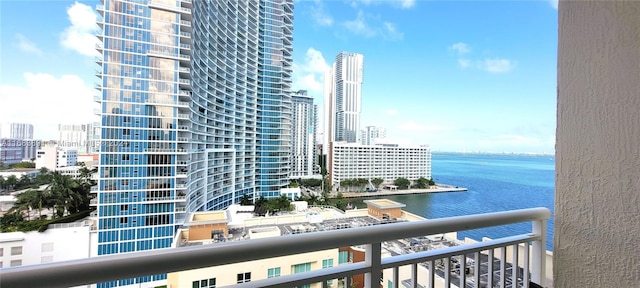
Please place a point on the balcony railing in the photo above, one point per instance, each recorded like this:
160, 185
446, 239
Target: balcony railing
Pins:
123, 266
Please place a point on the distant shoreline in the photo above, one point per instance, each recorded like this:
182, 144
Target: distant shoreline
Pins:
440, 188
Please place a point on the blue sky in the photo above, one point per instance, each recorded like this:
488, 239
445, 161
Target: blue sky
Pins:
458, 75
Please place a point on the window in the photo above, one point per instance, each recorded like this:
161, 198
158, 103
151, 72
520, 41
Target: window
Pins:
343, 257
205, 283
126, 132
1, 253
47, 247
328, 263
46, 259
16, 251
304, 267
123, 220
16, 262
273, 272
244, 277
124, 207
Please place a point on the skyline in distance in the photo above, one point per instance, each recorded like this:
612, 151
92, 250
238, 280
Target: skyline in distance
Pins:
459, 76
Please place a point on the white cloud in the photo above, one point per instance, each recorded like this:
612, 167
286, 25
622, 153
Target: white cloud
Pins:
407, 3
413, 126
461, 48
464, 63
79, 36
554, 4
319, 15
403, 4
46, 101
496, 65
27, 46
391, 112
359, 26
309, 75
391, 32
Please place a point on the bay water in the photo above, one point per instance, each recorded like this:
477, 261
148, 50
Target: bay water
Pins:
495, 182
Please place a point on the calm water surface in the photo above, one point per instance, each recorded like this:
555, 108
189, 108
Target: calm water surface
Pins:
495, 183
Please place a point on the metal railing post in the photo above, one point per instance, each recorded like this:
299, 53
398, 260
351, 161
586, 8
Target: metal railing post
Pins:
373, 259
538, 269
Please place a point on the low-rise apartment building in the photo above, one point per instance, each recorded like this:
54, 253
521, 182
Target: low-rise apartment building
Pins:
237, 223
386, 161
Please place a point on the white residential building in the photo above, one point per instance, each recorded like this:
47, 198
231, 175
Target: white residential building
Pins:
76, 136
54, 157
343, 97
20, 131
304, 122
372, 134
61, 242
386, 161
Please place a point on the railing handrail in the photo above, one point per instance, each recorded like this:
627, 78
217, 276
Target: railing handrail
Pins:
122, 266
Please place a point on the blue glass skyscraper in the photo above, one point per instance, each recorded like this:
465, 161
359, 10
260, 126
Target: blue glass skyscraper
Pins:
195, 113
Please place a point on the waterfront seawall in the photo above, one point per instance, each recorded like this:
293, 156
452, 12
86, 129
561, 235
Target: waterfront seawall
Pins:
439, 188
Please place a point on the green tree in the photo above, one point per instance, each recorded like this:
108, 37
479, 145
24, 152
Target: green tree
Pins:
23, 165
246, 200
24, 181
293, 184
422, 183
376, 182
31, 199
65, 195
339, 202
44, 177
2, 183
431, 182
11, 182
402, 183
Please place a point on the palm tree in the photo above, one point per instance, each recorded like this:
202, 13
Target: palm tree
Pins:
64, 194
11, 182
246, 200
31, 199
24, 181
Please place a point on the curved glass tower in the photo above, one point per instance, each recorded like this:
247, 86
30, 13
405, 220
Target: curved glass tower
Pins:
198, 95
241, 106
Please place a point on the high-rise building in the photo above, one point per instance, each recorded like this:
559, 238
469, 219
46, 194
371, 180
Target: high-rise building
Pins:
343, 93
241, 101
195, 104
76, 136
145, 49
372, 134
21, 131
305, 121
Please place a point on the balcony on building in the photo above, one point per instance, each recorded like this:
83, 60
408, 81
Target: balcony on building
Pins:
596, 204
322, 246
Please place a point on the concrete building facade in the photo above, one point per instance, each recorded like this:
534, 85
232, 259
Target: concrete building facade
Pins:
76, 136
343, 98
372, 134
305, 123
11, 151
388, 162
22, 131
54, 157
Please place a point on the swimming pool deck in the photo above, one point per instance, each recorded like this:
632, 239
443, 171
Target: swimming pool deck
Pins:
438, 189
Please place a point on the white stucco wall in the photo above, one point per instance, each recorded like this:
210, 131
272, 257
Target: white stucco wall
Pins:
597, 218
53, 245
